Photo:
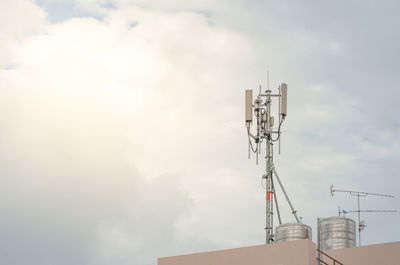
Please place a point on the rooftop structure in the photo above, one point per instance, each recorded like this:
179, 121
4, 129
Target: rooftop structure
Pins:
300, 252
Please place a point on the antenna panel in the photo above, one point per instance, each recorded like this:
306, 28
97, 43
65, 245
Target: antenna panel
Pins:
284, 99
249, 105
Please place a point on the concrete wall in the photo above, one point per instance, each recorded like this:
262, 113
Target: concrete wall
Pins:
381, 254
301, 252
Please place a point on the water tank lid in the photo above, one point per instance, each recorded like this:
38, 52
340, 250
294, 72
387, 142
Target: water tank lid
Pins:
335, 217
291, 224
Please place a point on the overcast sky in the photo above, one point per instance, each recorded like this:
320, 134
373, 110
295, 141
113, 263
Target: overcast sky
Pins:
122, 123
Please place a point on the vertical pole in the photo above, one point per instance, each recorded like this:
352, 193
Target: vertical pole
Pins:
257, 105
268, 173
272, 193
318, 242
359, 227
280, 117
268, 194
249, 148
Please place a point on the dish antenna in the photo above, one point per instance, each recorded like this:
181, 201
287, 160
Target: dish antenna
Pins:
267, 134
361, 223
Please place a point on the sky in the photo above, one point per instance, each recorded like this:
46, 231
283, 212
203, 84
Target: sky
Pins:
122, 123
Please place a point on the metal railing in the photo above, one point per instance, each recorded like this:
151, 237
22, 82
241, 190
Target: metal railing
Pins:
335, 261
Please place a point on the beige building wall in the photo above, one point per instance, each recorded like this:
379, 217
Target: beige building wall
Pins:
381, 254
301, 252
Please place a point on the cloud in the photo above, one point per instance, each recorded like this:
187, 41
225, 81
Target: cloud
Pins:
122, 143
94, 152
13, 29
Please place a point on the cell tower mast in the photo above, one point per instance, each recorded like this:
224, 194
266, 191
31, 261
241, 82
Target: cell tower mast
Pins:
265, 133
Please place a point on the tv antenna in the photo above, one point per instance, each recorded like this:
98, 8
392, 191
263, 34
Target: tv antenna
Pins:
361, 223
266, 133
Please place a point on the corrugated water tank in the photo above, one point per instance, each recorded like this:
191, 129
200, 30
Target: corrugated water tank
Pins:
336, 233
291, 232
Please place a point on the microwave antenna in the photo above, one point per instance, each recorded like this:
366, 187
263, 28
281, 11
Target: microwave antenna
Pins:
358, 194
266, 134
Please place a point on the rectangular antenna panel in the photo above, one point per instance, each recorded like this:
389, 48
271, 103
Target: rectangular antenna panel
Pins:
249, 105
284, 99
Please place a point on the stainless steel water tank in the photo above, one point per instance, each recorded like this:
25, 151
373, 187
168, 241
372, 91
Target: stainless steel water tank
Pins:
336, 232
291, 232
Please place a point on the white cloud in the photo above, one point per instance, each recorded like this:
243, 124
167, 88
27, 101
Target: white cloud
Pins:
124, 143
91, 102
18, 19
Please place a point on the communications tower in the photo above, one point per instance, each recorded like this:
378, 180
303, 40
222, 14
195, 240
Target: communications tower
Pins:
267, 132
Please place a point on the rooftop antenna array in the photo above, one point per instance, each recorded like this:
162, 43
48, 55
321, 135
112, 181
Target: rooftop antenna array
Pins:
266, 133
361, 223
